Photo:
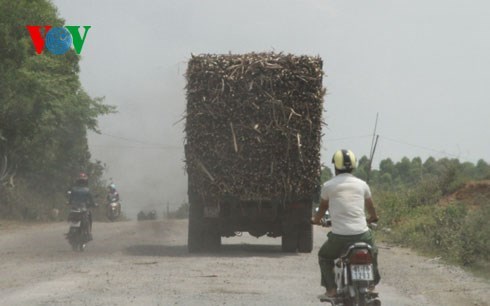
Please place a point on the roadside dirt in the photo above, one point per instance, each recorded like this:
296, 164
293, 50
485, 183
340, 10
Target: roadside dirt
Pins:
146, 263
473, 194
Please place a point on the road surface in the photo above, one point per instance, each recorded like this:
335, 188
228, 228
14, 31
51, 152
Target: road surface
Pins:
147, 263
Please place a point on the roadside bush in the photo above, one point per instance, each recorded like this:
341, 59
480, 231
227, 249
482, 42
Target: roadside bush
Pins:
181, 213
426, 192
395, 205
476, 236
29, 202
391, 207
412, 229
452, 231
408, 196
25, 203
446, 232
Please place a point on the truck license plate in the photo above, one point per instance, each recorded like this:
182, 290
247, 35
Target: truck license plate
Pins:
362, 272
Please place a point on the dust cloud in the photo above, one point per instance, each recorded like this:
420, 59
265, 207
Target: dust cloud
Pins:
142, 144
379, 58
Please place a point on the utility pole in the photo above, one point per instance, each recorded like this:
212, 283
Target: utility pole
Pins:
374, 143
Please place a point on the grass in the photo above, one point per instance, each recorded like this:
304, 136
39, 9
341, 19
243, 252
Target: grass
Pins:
456, 231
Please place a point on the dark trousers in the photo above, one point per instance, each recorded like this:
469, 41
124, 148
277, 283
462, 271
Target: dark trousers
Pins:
333, 248
89, 216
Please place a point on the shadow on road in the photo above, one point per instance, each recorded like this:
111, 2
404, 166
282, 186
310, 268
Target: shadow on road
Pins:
228, 250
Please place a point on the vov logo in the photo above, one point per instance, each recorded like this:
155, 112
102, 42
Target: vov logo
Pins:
57, 40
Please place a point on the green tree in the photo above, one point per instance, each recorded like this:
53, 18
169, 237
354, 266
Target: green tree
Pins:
362, 168
387, 166
386, 179
44, 111
482, 170
403, 169
430, 165
326, 174
416, 170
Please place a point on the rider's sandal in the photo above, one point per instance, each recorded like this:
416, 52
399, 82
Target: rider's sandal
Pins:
326, 298
372, 292
329, 295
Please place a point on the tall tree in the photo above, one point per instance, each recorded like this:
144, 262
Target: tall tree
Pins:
44, 111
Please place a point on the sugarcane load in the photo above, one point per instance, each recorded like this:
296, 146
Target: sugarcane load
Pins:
253, 130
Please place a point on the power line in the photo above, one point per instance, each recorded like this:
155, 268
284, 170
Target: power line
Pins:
349, 137
151, 144
117, 146
441, 152
160, 146
419, 146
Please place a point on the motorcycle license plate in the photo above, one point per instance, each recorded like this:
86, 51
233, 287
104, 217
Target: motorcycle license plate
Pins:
362, 272
75, 224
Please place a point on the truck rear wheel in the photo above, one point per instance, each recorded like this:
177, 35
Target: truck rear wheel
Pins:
211, 239
201, 236
289, 241
194, 241
305, 239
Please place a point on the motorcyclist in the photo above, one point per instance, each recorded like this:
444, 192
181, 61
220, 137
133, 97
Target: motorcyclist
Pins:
80, 195
346, 198
113, 194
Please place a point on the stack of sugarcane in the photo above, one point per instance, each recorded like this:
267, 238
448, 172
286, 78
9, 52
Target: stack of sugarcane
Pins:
253, 125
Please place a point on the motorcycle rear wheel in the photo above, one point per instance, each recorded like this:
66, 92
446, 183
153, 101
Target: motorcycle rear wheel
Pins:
360, 299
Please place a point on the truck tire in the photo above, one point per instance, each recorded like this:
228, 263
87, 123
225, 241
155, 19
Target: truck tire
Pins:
194, 239
305, 239
289, 241
201, 236
305, 235
212, 239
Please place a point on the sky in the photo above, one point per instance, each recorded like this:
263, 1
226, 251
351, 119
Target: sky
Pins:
422, 67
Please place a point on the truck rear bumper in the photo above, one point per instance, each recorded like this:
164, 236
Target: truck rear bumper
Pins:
257, 218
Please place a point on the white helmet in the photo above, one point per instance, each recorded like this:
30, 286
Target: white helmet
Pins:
344, 160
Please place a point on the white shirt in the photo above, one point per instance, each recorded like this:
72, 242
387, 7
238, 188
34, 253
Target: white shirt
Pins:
346, 194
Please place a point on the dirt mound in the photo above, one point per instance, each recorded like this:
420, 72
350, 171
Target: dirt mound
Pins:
473, 193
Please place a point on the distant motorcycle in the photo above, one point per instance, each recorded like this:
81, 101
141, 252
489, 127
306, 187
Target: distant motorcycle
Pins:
79, 233
151, 215
354, 274
113, 209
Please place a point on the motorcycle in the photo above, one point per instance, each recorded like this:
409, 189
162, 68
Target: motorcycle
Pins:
113, 209
151, 215
354, 274
79, 233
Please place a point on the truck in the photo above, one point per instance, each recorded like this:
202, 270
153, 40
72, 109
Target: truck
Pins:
252, 147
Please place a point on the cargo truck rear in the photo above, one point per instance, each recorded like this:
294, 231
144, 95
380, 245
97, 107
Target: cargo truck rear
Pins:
253, 130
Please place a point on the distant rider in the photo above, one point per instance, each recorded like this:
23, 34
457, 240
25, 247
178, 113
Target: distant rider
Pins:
346, 198
80, 195
113, 194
